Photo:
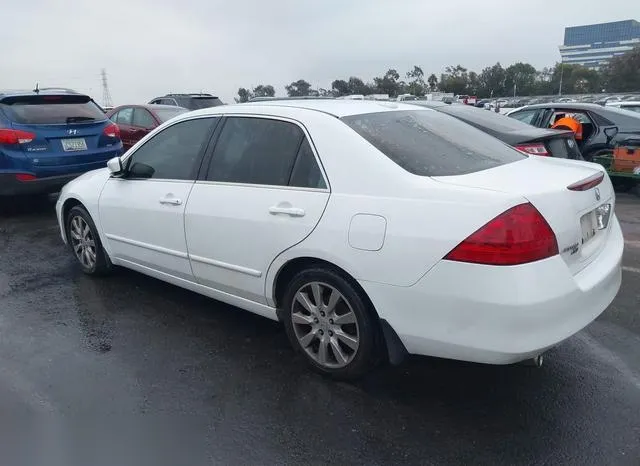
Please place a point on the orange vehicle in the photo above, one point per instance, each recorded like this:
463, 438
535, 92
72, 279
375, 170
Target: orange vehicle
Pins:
626, 159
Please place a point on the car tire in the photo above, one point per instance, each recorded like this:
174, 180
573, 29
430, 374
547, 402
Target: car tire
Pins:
339, 337
85, 244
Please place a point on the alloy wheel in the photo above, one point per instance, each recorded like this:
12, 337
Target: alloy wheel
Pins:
325, 325
83, 242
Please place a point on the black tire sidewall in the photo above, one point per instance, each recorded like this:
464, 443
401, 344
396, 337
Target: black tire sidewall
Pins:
102, 265
365, 357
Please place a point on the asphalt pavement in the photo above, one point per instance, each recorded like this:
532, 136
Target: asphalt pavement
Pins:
130, 370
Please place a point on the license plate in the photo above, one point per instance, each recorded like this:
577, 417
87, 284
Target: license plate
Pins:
70, 145
589, 225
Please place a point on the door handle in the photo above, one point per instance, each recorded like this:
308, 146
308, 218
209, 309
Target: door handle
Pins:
291, 211
170, 201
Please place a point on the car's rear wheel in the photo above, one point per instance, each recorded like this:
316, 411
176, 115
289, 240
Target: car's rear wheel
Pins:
85, 243
330, 323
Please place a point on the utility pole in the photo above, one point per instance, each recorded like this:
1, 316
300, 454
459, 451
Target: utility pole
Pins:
106, 95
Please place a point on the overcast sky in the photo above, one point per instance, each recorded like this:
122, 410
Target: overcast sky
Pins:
150, 47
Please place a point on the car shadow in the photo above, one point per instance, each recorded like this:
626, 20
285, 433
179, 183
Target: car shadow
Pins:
21, 206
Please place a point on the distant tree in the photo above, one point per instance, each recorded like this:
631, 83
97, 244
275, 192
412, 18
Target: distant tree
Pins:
623, 72
264, 91
522, 77
416, 85
298, 88
473, 83
357, 86
455, 79
492, 81
243, 95
389, 83
433, 82
340, 87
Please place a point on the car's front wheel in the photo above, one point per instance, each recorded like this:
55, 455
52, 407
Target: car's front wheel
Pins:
330, 323
85, 243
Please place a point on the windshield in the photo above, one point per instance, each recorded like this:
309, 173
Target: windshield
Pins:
51, 110
427, 143
165, 114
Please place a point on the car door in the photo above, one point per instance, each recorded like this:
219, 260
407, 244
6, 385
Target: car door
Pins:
263, 192
142, 212
143, 122
124, 120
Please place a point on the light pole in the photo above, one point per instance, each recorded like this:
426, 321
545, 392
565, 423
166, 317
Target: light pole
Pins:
561, 76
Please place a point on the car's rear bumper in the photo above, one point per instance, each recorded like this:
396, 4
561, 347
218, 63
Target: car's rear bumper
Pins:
499, 315
11, 186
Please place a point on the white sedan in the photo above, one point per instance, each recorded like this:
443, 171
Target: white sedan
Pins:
370, 229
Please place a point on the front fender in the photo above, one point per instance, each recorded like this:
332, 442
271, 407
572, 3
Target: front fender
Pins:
85, 190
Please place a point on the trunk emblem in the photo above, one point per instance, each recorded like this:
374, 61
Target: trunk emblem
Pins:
72, 131
597, 194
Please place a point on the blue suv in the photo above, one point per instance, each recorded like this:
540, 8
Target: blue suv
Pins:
50, 136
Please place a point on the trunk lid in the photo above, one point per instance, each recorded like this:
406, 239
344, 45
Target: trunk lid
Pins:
573, 215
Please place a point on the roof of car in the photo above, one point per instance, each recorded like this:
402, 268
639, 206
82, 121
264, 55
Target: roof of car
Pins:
41, 91
565, 106
335, 107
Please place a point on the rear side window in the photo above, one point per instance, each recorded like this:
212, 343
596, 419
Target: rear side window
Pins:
123, 117
255, 151
306, 172
51, 109
526, 116
428, 143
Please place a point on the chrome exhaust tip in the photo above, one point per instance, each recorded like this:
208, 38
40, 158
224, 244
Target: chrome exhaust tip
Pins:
535, 361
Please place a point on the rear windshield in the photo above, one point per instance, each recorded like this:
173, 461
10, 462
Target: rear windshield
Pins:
165, 114
204, 102
51, 110
484, 118
428, 143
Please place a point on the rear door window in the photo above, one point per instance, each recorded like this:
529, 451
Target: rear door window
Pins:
525, 116
143, 119
428, 143
255, 151
124, 116
51, 109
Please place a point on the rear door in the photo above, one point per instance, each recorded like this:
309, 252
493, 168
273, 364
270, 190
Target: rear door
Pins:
124, 120
143, 122
263, 192
68, 132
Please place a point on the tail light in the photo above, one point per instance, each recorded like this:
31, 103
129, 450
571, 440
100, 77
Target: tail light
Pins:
25, 177
112, 131
533, 149
518, 236
587, 183
15, 136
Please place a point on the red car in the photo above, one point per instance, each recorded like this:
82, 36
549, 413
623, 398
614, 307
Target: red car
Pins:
136, 121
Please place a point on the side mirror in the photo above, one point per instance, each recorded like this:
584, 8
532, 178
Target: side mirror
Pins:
611, 133
115, 166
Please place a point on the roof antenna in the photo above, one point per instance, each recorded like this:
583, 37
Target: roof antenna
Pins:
36, 90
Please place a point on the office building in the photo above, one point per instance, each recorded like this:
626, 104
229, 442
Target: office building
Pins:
595, 44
